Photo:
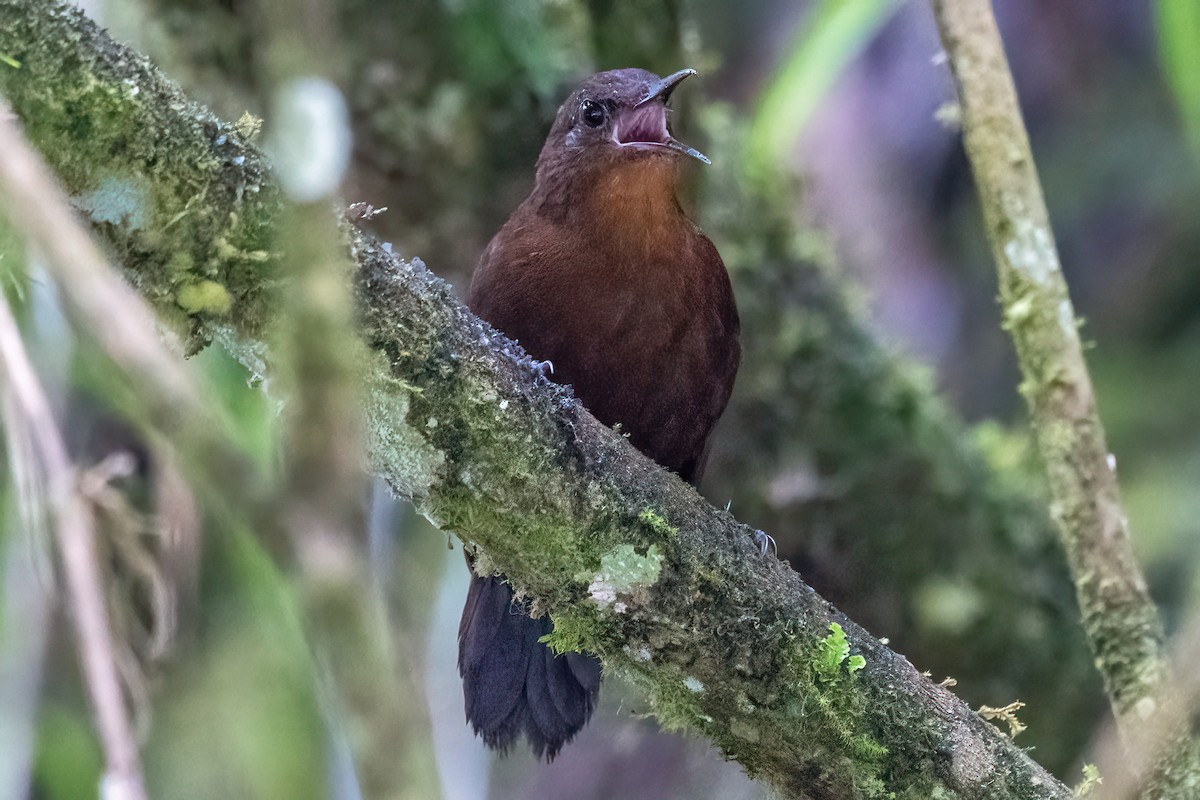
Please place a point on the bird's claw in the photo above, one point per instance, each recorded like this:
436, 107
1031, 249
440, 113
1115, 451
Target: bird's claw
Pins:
543, 369
765, 543
361, 212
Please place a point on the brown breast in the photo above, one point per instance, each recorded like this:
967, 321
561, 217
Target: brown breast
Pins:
632, 304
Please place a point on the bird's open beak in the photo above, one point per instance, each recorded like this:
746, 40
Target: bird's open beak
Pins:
661, 92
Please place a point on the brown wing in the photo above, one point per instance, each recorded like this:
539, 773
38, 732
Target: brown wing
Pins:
650, 343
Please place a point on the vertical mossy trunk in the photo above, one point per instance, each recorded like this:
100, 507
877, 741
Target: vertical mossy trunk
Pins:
1122, 623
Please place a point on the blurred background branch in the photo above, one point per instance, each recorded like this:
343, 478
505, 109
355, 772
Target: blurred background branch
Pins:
27, 413
1178, 30
1122, 622
347, 627
315, 361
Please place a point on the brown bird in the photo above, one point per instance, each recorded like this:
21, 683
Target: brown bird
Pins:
601, 273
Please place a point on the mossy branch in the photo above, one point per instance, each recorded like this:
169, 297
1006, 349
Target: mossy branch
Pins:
458, 423
1121, 621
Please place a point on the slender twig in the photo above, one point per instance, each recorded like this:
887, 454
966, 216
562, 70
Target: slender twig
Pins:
77, 548
25, 604
1119, 618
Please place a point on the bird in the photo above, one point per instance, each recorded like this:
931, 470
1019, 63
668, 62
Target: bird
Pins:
600, 275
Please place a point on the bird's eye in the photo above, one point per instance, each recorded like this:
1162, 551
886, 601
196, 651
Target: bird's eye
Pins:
592, 113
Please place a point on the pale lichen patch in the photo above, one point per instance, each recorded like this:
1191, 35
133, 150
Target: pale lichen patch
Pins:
971, 766
117, 201
398, 449
1031, 252
624, 576
1066, 317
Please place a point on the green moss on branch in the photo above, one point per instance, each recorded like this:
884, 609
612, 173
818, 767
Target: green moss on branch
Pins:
148, 166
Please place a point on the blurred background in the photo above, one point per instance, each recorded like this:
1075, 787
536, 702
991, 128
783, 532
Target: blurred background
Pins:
876, 430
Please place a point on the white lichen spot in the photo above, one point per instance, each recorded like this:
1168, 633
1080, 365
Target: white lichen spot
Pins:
1031, 252
1066, 318
1112, 462
602, 592
1145, 708
311, 141
640, 654
399, 451
431, 423
1019, 311
117, 201
949, 115
503, 405
693, 684
626, 574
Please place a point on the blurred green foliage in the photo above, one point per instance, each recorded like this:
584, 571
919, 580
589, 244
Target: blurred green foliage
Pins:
1179, 44
833, 33
68, 764
239, 716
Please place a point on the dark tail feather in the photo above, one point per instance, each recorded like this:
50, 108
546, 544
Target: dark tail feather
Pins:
514, 684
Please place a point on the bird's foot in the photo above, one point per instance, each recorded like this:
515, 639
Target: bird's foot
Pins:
361, 212
543, 369
765, 543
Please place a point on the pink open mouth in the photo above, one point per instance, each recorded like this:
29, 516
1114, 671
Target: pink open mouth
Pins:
644, 125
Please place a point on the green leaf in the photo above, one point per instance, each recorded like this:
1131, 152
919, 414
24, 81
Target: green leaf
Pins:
834, 649
1091, 780
12, 62
1179, 47
835, 32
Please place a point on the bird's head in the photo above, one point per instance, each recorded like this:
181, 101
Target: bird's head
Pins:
612, 118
